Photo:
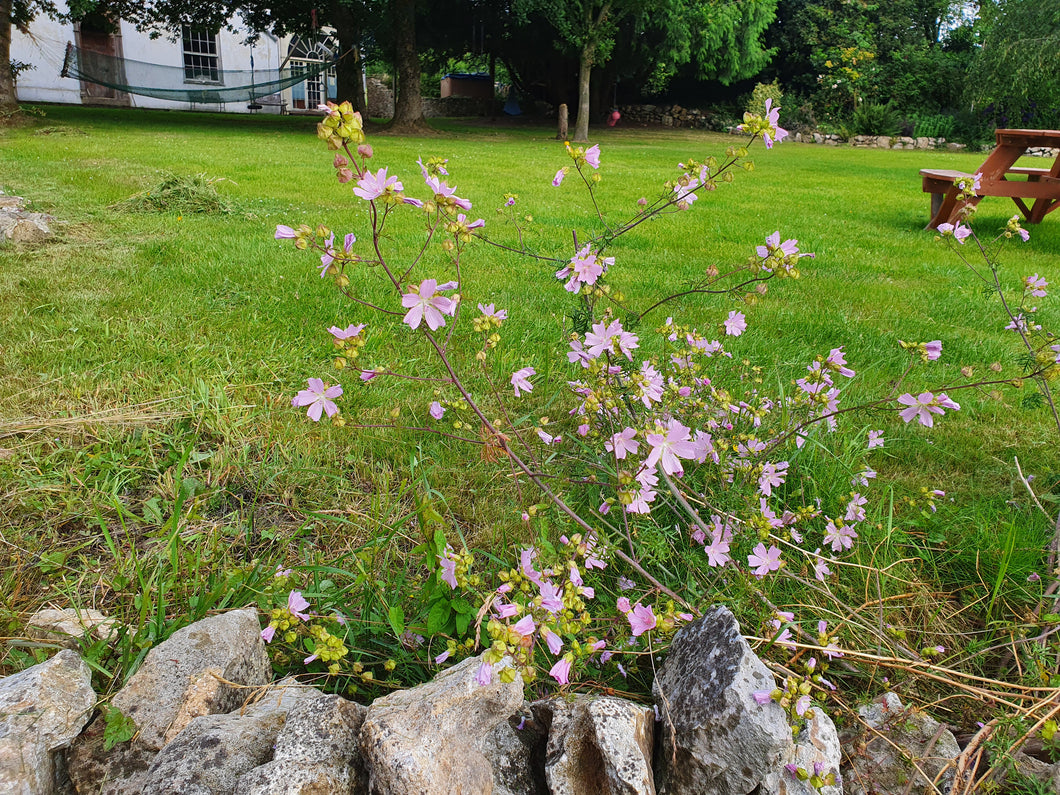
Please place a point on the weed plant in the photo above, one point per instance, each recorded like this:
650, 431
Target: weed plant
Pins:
151, 465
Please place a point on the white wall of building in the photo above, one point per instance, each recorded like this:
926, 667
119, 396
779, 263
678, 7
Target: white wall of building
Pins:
45, 48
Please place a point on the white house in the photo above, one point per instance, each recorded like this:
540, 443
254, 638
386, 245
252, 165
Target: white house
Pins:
97, 63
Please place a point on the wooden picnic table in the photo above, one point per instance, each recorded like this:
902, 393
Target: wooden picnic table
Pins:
1001, 177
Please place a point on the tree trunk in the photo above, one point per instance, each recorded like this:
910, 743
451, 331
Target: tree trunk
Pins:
408, 106
349, 72
8, 101
585, 67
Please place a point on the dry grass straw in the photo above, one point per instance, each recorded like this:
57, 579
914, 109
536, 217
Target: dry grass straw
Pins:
149, 413
176, 193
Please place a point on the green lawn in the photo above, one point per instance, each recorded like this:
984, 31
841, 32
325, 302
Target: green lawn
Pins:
134, 343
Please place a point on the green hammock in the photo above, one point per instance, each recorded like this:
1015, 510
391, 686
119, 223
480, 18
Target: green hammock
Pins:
170, 82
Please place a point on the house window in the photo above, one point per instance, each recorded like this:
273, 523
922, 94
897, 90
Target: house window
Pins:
202, 64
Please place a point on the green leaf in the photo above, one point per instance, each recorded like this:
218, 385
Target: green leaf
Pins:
438, 616
396, 616
462, 620
462, 606
118, 728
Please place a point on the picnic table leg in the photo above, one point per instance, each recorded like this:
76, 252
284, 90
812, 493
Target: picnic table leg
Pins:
944, 208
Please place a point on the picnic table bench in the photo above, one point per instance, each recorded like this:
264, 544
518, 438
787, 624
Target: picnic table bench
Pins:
1042, 185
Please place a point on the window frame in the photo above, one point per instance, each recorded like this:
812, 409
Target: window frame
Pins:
201, 56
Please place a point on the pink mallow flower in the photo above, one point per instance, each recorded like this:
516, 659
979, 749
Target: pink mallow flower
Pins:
735, 324
296, 604
764, 560
372, 186
520, 380
960, 231
611, 338
584, 268
347, 333
622, 443
592, 156
641, 619
318, 398
668, 447
788, 248
1036, 285
924, 405
424, 304
448, 566
773, 119
561, 671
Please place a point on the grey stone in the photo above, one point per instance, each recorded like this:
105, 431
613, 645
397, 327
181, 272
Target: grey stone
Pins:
24, 227
322, 731
67, 627
94, 771
197, 671
316, 752
429, 738
817, 743
516, 750
212, 752
42, 709
297, 778
205, 668
597, 746
282, 696
880, 761
713, 737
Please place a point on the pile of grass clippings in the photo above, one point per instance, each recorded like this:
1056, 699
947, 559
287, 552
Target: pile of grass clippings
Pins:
183, 194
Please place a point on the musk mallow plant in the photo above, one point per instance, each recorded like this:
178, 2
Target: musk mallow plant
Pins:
669, 467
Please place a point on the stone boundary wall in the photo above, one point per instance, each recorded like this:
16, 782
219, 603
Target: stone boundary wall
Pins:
381, 104
668, 115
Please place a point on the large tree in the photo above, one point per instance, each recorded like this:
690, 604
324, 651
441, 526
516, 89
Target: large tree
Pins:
15, 14
1018, 69
722, 38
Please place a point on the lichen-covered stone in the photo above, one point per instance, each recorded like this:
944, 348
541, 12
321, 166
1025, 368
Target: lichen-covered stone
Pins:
196, 671
430, 738
41, 710
316, 752
878, 760
205, 668
212, 752
298, 778
597, 745
713, 737
516, 750
67, 627
817, 744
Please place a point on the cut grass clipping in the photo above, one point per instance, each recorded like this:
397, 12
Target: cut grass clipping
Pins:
175, 193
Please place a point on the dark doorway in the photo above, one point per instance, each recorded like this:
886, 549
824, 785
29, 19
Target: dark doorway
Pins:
99, 40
